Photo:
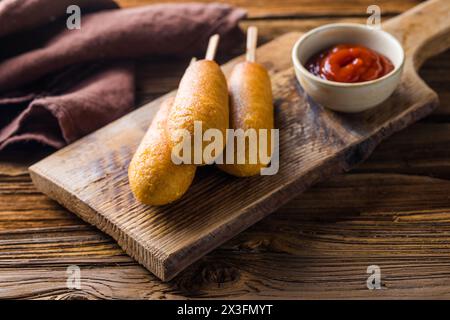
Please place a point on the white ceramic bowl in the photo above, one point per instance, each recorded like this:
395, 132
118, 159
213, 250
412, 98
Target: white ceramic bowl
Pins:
348, 97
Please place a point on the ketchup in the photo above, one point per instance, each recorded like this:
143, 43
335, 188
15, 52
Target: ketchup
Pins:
349, 63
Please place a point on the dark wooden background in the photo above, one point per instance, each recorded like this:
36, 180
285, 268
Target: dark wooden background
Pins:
393, 211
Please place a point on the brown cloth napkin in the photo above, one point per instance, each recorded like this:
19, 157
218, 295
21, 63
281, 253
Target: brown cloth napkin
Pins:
57, 85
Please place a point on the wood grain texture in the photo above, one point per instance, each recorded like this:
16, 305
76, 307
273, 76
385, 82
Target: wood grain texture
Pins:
243, 267
269, 8
89, 177
317, 246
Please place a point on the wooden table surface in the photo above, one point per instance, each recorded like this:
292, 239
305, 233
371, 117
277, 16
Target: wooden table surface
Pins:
393, 211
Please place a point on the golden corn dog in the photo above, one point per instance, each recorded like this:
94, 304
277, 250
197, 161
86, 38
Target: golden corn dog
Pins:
202, 96
154, 178
251, 107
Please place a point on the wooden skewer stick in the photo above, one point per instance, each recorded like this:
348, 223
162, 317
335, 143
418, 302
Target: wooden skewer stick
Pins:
212, 47
194, 59
252, 42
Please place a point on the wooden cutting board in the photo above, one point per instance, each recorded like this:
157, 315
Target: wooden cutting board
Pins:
89, 177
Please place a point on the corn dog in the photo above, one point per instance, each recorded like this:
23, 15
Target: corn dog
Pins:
202, 96
251, 107
154, 179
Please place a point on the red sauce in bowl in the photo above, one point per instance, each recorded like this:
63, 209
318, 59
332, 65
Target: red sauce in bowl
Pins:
349, 63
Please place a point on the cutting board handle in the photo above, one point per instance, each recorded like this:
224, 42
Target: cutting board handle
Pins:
424, 31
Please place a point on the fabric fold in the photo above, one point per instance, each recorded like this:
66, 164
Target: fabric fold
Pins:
63, 84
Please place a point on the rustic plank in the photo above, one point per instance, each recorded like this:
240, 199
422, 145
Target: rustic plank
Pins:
94, 184
423, 149
156, 77
414, 276
302, 251
302, 8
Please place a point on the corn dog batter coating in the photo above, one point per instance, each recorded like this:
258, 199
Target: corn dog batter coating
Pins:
202, 96
153, 177
251, 107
